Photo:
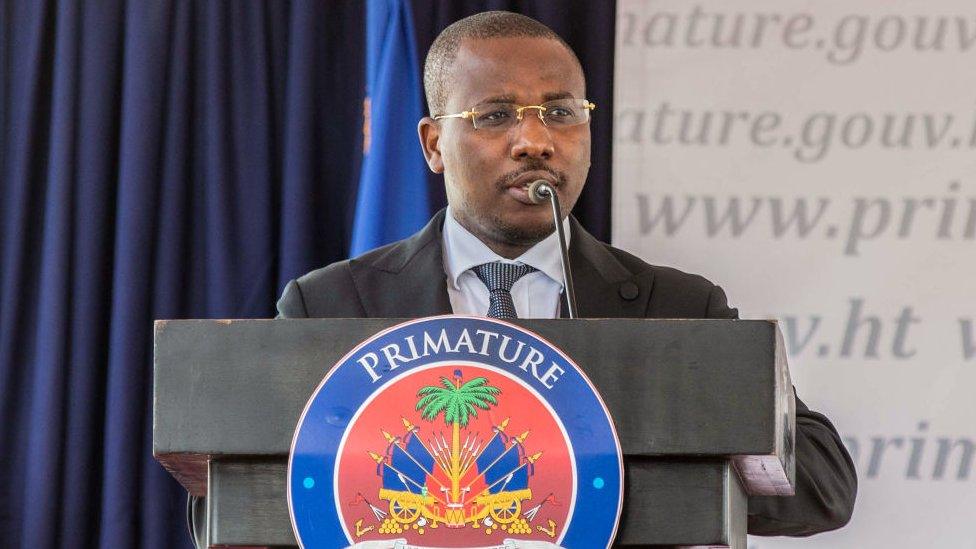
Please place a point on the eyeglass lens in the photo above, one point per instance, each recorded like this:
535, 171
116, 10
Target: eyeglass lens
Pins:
557, 113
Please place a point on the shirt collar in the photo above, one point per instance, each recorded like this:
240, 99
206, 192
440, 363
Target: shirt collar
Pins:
463, 250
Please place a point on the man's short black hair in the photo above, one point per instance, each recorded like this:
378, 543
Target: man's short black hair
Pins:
489, 24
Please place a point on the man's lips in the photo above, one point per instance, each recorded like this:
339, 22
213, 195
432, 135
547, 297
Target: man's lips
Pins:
519, 188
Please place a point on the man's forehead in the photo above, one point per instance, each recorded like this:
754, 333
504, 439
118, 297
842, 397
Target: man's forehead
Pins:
513, 68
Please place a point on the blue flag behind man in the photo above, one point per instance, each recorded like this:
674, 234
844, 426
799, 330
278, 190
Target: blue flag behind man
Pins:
392, 202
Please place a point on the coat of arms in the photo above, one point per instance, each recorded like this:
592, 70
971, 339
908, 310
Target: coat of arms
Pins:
456, 442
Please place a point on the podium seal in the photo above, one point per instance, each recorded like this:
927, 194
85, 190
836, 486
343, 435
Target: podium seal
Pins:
455, 432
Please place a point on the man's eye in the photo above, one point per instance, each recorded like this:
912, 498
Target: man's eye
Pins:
495, 116
559, 112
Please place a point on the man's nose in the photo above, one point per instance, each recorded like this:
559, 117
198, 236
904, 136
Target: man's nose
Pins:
532, 139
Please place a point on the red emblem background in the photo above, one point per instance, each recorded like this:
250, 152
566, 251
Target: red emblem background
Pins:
356, 471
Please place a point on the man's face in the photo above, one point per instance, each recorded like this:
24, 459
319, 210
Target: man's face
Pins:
486, 171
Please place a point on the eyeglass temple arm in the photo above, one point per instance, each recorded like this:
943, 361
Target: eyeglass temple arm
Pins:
465, 114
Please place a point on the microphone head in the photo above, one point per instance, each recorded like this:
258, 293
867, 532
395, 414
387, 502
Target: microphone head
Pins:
539, 191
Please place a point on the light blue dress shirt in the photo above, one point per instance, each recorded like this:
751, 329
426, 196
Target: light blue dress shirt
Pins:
536, 295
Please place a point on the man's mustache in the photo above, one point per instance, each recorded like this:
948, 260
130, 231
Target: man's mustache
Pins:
506, 180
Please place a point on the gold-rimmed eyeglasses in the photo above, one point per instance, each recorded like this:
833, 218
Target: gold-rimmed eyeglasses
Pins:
559, 113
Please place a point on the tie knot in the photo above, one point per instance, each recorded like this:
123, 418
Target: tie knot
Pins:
501, 276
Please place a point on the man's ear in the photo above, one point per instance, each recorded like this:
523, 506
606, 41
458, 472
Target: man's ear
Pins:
430, 134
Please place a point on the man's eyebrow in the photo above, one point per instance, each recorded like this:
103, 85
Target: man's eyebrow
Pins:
557, 95
510, 98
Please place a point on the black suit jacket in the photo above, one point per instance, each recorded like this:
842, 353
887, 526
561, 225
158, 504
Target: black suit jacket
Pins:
406, 280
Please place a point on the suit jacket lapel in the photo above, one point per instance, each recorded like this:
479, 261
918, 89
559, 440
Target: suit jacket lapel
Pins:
605, 288
407, 280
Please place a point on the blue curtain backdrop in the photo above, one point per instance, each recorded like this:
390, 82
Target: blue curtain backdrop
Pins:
392, 202
175, 159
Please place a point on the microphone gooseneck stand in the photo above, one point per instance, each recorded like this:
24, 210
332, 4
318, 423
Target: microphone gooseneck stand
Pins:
539, 191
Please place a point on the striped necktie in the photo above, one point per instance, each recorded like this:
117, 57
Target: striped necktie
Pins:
499, 278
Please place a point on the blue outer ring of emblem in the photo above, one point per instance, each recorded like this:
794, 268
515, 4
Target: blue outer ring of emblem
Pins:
596, 449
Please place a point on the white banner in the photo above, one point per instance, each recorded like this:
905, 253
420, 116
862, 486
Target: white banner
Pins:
818, 160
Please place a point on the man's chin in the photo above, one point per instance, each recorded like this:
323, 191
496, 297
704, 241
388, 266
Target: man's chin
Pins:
523, 232
509, 229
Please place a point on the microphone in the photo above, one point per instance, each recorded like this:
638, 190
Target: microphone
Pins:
539, 191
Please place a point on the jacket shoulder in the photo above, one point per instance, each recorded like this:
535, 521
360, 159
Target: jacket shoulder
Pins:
323, 293
676, 293
331, 291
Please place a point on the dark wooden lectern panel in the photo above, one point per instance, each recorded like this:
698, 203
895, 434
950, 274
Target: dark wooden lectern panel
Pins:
703, 409
668, 502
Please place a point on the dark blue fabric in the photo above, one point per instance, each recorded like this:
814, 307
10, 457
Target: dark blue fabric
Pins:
499, 461
417, 450
392, 202
174, 159
162, 159
406, 465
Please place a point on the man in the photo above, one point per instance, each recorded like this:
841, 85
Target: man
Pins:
508, 105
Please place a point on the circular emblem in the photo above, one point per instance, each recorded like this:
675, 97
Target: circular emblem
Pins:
455, 432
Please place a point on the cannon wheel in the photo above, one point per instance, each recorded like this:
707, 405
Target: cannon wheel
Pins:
404, 514
505, 512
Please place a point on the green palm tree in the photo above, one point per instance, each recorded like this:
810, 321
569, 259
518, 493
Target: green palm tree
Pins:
458, 402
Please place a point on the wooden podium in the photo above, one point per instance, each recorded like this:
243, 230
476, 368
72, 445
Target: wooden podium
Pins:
704, 410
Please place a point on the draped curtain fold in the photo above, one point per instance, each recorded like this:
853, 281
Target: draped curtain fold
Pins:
160, 159
174, 159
